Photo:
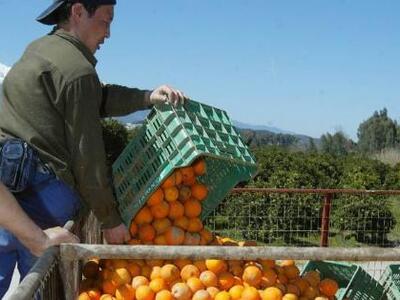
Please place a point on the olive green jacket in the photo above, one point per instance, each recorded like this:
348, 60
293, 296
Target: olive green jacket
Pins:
54, 100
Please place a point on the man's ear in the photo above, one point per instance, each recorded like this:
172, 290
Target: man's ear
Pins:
77, 11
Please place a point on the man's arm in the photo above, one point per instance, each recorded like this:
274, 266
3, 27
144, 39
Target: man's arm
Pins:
15, 220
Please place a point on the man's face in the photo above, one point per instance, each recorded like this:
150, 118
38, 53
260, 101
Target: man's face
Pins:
95, 29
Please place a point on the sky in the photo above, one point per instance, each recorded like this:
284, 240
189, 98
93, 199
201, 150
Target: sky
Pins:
310, 66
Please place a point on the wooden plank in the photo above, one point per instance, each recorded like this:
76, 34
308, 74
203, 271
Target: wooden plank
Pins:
86, 251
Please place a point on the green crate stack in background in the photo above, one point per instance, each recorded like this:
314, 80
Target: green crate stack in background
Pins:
390, 280
354, 282
174, 137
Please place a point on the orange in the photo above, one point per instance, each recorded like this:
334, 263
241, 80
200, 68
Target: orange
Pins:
182, 222
181, 291
199, 191
311, 292
184, 193
195, 284
213, 291
291, 271
192, 208
84, 296
174, 235
328, 287
134, 242
107, 297
225, 280
181, 262
223, 295
201, 295
269, 278
125, 292
169, 273
287, 262
302, 284
160, 210
108, 287
121, 276
187, 175
169, 182
236, 270
161, 225
91, 269
133, 268
157, 284
139, 280
155, 272
199, 167
216, 265
208, 278
176, 210
146, 232
94, 294
119, 263
252, 275
292, 289
156, 197
143, 216
155, 262
250, 293
164, 295
144, 292
236, 292
200, 264
313, 278
272, 293
195, 225
146, 271
191, 238
189, 271
290, 296
206, 235
178, 177
267, 263
133, 228
171, 194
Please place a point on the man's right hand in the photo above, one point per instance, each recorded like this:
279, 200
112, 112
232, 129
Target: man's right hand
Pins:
117, 235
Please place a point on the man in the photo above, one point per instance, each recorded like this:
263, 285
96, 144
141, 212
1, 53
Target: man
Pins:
53, 100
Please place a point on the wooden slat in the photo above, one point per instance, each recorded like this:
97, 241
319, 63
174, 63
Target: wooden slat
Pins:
85, 251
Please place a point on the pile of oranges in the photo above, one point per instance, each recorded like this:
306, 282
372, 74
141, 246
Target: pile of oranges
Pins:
171, 216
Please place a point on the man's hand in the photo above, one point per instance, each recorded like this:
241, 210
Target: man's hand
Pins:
166, 94
117, 235
52, 237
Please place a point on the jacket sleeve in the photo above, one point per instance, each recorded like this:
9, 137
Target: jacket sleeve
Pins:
119, 100
86, 146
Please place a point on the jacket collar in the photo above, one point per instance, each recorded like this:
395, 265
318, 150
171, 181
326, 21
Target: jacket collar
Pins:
78, 44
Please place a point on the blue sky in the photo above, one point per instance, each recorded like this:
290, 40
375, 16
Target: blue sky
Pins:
310, 66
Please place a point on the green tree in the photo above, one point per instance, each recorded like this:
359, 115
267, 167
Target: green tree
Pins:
115, 137
336, 144
377, 133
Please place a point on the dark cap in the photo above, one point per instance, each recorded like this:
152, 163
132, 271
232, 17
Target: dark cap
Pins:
48, 17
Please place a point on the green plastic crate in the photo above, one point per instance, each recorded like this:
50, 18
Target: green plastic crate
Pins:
171, 138
353, 281
390, 280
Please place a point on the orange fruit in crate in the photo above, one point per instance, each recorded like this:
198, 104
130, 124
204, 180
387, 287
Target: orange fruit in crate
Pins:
160, 210
178, 177
213, 291
119, 263
84, 296
272, 293
191, 238
293, 289
209, 278
250, 293
199, 167
287, 262
201, 295
155, 272
146, 232
174, 235
328, 287
195, 284
252, 275
269, 278
195, 225
206, 236
139, 281
144, 292
120, 276
199, 191
176, 210
133, 229
313, 278
236, 292
187, 174
181, 291
108, 287
169, 273
157, 284
155, 262
91, 269
192, 208
169, 182
201, 265
164, 295
216, 265
185, 193
290, 296
225, 280
133, 268
181, 262
267, 263
188, 271
143, 216
302, 284
161, 225
171, 194
222, 295
311, 292
291, 271
156, 197
182, 222
125, 292
107, 297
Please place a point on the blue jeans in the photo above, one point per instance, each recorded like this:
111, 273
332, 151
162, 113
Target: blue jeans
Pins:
48, 202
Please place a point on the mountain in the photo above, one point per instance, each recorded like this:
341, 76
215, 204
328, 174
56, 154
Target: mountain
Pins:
241, 125
135, 118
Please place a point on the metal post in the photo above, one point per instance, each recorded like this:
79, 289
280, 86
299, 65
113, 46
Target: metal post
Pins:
325, 220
